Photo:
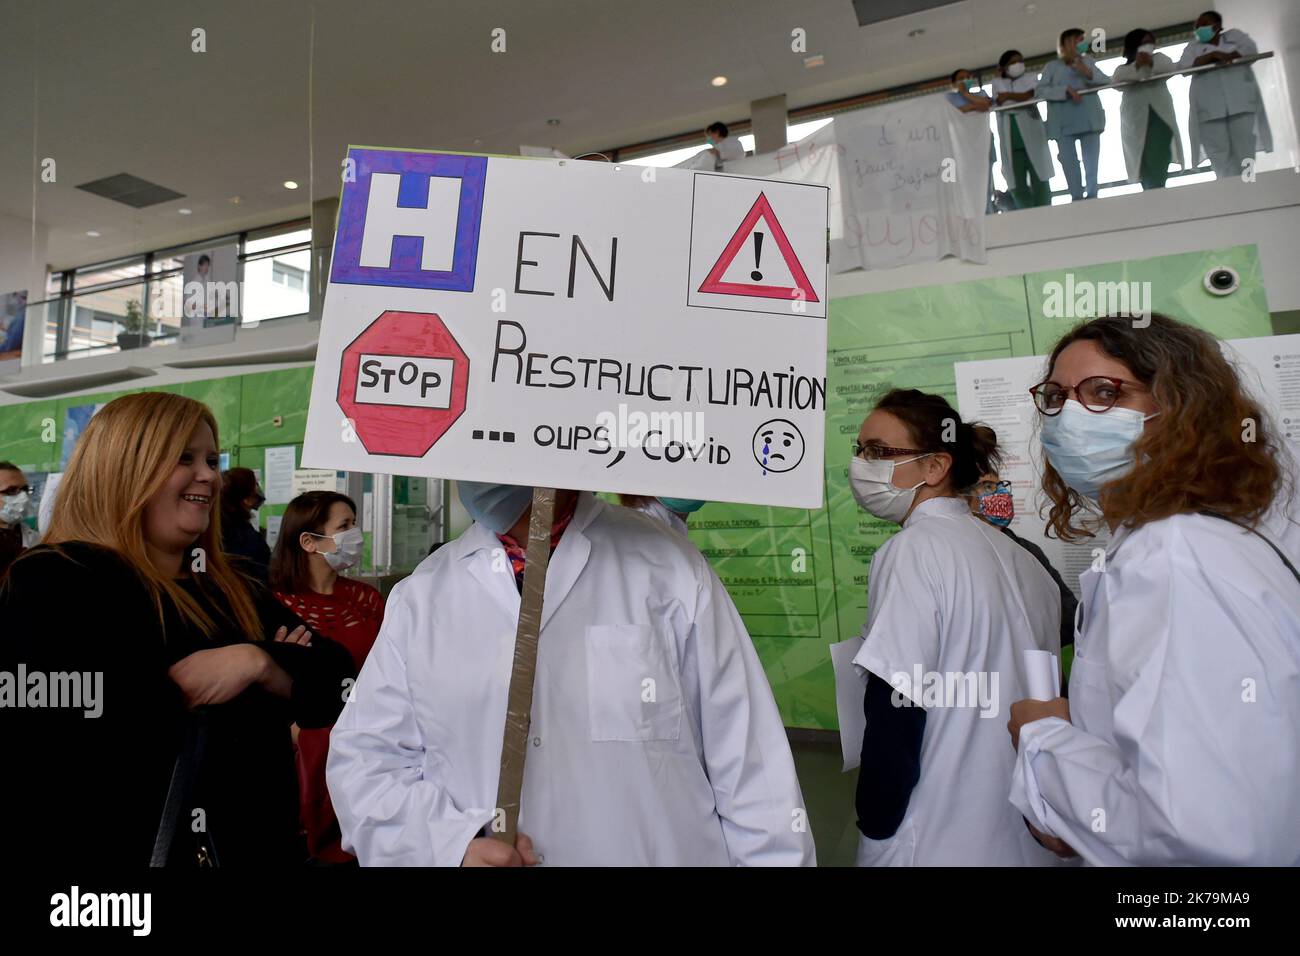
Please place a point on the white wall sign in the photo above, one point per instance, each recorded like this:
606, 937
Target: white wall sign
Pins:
314, 479
575, 325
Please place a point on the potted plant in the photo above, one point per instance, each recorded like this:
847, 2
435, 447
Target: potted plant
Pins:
134, 334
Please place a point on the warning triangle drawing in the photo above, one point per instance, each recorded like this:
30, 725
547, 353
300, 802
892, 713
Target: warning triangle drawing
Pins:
713, 282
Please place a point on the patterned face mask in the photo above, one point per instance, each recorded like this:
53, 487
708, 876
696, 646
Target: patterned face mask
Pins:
997, 507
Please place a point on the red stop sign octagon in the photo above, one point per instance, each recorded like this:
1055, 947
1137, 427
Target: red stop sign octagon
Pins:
406, 430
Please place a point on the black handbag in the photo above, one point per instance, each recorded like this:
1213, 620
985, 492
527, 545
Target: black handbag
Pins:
179, 791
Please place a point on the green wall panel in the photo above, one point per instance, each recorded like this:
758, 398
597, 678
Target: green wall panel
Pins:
286, 394
1175, 286
23, 432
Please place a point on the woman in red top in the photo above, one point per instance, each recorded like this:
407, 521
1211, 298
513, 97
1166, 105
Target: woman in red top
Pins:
319, 538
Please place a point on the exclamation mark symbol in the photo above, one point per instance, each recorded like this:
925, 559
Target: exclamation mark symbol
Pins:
758, 257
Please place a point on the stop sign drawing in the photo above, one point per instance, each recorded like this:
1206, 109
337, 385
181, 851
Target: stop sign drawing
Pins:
403, 382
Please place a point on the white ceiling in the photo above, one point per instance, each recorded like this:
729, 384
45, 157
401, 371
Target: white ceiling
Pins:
105, 88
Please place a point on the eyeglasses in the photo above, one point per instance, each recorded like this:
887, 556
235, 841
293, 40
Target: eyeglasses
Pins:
9, 492
1098, 393
992, 487
872, 452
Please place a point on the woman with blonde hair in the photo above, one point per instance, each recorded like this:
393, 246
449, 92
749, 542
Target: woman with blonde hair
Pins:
158, 682
1180, 743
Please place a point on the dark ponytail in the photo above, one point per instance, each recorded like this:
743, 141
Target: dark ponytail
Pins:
973, 446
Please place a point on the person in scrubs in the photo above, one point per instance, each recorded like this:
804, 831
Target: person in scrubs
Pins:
1227, 118
1180, 743
951, 604
1148, 127
654, 738
1022, 137
1075, 121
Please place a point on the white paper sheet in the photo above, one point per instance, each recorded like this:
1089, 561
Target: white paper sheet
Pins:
849, 688
279, 467
1042, 674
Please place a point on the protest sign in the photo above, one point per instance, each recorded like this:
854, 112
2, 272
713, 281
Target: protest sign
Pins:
575, 325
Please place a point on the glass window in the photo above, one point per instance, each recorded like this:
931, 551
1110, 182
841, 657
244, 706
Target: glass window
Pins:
277, 273
109, 272
288, 276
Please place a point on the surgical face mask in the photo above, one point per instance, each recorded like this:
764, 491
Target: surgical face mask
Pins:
872, 483
683, 506
968, 84
13, 507
1205, 34
1147, 48
997, 507
1089, 449
496, 507
1081, 47
1016, 70
347, 548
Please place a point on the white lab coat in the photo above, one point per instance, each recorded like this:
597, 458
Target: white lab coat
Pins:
656, 509
1137, 102
699, 775
1183, 745
1029, 123
1216, 94
951, 594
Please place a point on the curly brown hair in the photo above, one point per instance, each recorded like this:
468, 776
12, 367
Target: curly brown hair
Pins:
1195, 455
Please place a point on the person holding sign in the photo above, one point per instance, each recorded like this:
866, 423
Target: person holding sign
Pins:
653, 738
1075, 121
1180, 743
1227, 118
951, 605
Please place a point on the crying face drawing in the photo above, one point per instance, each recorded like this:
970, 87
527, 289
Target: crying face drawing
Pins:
778, 446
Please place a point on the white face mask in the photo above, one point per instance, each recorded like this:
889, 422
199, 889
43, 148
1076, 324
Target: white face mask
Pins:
1147, 48
872, 484
347, 548
13, 507
1016, 70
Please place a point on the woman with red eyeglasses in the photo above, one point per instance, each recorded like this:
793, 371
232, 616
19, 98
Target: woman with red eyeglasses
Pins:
1180, 743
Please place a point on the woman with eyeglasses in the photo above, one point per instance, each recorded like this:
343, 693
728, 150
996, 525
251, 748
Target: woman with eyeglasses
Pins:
951, 604
1180, 743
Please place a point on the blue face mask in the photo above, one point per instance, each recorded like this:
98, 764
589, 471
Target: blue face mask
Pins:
1089, 449
683, 506
496, 507
1205, 34
1081, 47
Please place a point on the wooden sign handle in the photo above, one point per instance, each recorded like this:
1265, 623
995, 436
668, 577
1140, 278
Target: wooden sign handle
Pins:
519, 703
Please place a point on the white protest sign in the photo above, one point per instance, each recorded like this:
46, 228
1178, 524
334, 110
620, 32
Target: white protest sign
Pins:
914, 177
575, 325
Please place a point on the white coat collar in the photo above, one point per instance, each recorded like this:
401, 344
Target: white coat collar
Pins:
566, 564
937, 508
